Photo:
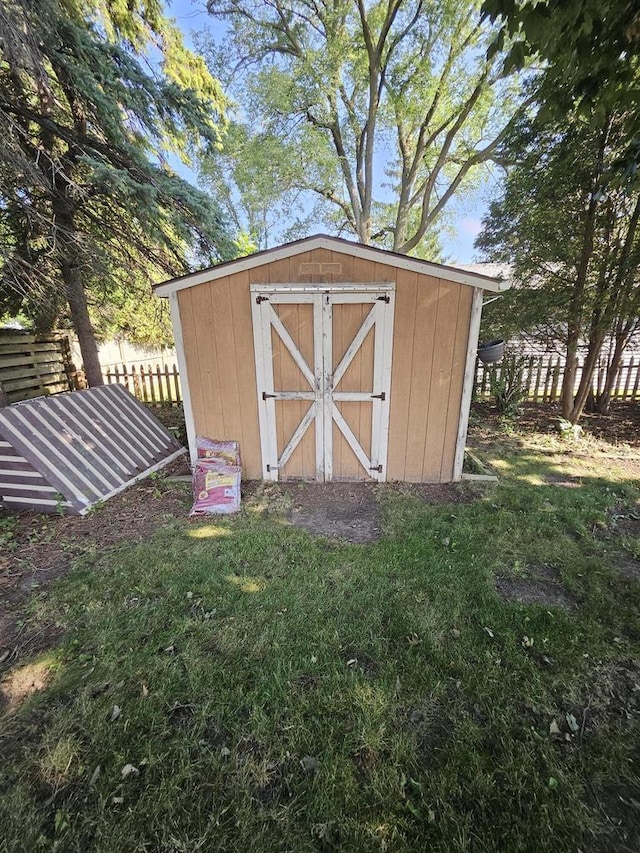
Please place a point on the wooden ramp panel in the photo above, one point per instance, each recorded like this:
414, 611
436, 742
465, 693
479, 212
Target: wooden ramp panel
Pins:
70, 451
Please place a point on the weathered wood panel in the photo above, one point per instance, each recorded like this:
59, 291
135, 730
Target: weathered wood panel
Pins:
347, 320
70, 451
35, 365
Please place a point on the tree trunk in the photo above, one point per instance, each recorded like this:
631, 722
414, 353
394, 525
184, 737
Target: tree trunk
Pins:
77, 299
74, 289
574, 320
586, 379
602, 402
570, 370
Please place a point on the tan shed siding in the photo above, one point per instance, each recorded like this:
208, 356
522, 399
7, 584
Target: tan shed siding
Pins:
441, 376
218, 344
455, 383
430, 340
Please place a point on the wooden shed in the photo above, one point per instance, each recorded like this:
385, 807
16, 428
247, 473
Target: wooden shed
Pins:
327, 359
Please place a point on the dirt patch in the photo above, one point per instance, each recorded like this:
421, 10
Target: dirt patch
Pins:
623, 530
629, 567
38, 549
181, 715
563, 480
430, 731
305, 682
616, 690
356, 659
541, 585
440, 493
171, 418
610, 697
365, 760
619, 807
347, 511
624, 521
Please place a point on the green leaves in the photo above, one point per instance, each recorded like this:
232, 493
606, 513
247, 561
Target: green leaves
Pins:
385, 115
98, 101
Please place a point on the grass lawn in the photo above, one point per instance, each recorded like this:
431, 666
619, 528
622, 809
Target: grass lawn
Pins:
468, 682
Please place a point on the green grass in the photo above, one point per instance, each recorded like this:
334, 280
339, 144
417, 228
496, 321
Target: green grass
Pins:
279, 692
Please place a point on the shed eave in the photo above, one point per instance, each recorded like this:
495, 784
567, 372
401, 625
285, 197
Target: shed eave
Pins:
336, 244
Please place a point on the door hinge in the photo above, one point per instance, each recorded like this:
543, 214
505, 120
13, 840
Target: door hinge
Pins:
382, 396
377, 468
260, 299
265, 396
271, 468
384, 298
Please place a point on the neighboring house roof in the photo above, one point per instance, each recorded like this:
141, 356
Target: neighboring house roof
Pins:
323, 241
500, 271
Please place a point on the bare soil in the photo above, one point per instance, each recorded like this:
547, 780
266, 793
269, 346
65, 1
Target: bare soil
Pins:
541, 585
623, 528
347, 511
619, 804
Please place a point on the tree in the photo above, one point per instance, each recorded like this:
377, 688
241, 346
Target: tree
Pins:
383, 110
591, 48
257, 180
93, 98
570, 229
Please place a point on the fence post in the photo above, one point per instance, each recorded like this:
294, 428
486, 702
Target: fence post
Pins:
554, 384
538, 378
137, 385
158, 378
629, 368
177, 383
636, 384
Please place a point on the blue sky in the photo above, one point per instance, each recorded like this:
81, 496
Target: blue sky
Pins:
467, 213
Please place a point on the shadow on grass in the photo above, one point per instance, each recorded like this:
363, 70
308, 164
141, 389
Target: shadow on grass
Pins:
340, 696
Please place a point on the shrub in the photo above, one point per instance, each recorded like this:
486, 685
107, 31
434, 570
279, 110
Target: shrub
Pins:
507, 385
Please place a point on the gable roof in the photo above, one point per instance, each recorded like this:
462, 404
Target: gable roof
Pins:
336, 244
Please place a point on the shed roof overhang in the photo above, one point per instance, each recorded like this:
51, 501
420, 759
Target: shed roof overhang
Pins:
336, 244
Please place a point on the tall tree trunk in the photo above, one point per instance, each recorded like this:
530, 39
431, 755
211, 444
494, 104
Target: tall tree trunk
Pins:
570, 369
586, 379
602, 402
74, 289
574, 320
77, 299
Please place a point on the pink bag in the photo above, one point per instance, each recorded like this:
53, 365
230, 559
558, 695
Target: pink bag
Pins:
222, 452
216, 488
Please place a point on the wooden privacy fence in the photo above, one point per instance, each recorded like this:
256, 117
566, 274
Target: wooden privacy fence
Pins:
35, 365
543, 376
150, 383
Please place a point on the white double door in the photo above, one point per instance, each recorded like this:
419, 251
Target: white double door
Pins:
323, 371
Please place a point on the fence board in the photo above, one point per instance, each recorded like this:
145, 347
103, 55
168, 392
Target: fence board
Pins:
629, 366
35, 365
543, 376
151, 383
